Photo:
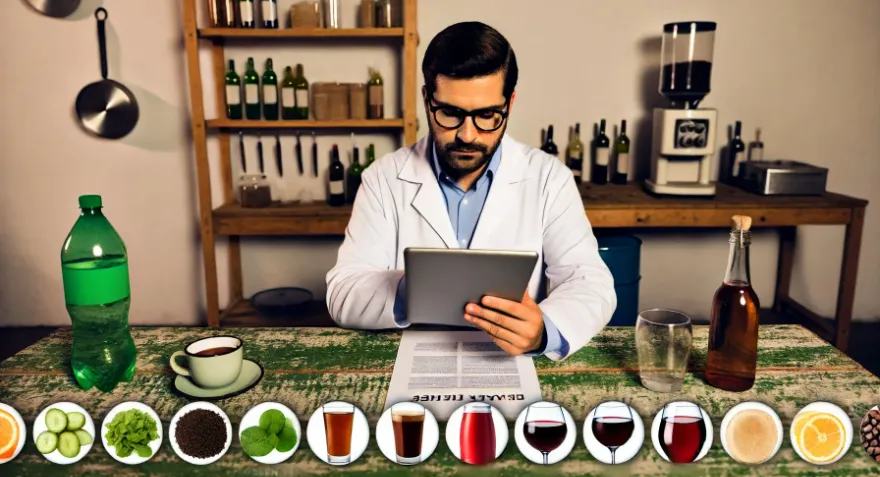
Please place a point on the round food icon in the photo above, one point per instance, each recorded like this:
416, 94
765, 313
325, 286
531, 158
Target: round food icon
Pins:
751, 433
407, 433
64, 433
870, 433
821, 433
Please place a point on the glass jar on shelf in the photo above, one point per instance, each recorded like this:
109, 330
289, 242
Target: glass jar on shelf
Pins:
254, 191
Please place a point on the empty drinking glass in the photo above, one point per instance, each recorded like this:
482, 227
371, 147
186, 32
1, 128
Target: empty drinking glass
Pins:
663, 343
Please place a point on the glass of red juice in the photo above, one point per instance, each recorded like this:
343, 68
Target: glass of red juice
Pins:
477, 434
682, 432
544, 427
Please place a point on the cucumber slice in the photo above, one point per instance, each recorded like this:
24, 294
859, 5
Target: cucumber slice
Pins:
47, 442
56, 420
68, 444
84, 437
75, 420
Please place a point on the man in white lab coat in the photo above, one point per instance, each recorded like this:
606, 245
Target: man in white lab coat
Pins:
469, 185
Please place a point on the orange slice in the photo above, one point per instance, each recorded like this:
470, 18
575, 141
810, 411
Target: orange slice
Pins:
822, 438
801, 420
8, 435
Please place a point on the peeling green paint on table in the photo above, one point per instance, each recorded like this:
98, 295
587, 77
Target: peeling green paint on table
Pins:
307, 367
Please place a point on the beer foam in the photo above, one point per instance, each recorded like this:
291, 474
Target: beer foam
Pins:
752, 436
407, 415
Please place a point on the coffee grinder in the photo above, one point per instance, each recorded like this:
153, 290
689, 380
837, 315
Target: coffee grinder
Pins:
683, 140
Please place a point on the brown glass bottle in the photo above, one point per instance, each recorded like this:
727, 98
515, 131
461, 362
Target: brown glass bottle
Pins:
733, 333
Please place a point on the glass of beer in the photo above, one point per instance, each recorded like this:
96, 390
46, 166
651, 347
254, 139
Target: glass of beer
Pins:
338, 421
408, 420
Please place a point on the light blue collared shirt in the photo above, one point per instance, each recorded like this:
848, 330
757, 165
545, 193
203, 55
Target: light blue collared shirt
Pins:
464, 208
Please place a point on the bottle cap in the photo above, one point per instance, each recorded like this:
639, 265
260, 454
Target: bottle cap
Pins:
90, 201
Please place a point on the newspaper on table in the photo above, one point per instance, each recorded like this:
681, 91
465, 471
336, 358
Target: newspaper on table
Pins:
443, 370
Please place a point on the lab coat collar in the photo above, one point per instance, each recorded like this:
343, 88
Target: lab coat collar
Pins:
429, 201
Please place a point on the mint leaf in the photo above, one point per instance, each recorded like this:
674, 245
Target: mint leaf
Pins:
255, 442
287, 438
272, 421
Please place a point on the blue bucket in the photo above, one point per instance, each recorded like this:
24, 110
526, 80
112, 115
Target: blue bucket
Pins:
622, 255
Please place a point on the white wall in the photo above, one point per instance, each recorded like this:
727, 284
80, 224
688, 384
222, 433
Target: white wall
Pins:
805, 71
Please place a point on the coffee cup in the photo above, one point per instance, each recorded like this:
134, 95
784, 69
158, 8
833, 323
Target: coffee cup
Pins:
212, 362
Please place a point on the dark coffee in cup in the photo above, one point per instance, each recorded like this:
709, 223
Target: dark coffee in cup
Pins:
214, 351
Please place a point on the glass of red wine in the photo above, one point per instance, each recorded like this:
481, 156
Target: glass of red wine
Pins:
544, 427
682, 432
613, 425
477, 434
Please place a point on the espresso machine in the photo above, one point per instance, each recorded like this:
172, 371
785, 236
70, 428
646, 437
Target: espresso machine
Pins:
683, 139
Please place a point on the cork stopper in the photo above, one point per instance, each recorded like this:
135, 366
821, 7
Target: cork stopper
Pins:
740, 234
742, 222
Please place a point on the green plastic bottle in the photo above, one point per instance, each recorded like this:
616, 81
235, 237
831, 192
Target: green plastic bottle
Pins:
94, 269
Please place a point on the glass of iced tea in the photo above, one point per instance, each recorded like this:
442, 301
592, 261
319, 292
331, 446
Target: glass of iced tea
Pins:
408, 421
338, 421
663, 343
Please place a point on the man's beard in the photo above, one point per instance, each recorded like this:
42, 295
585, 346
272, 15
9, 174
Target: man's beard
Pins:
459, 166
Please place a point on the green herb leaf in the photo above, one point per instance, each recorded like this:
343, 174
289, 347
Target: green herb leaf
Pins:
255, 442
272, 421
132, 431
143, 451
287, 438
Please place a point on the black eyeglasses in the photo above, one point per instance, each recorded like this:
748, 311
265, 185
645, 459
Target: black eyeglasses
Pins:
485, 119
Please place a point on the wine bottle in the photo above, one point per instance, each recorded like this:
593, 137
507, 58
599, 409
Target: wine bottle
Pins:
251, 91
756, 148
301, 88
233, 93
354, 172
621, 152
288, 95
214, 13
229, 16
376, 96
246, 12
270, 92
599, 174
549, 146
371, 155
733, 332
337, 179
270, 13
737, 151
575, 153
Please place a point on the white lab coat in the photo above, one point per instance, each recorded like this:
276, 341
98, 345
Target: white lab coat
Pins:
533, 204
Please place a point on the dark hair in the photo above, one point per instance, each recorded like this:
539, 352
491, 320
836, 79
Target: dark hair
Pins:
469, 50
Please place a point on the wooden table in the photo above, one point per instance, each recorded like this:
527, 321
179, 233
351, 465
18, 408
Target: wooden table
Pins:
310, 366
613, 206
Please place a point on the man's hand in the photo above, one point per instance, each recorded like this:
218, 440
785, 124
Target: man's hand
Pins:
515, 327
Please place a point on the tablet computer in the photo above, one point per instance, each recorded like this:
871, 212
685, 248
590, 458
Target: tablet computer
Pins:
441, 281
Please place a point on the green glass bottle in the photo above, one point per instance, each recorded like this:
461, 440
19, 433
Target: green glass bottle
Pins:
301, 87
251, 91
354, 173
233, 93
94, 270
375, 96
371, 155
288, 95
270, 92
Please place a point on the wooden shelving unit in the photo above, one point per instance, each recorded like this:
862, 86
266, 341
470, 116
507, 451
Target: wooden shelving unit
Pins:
234, 221
306, 124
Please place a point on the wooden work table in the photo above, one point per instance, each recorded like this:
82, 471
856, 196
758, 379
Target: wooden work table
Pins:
626, 206
307, 367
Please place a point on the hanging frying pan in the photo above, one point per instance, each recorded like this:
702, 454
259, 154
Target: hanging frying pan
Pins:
106, 108
55, 8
